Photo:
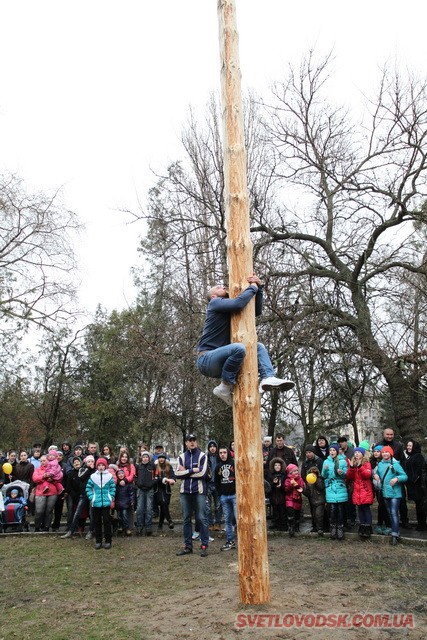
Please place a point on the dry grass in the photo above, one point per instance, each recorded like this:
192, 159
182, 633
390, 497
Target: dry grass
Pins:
60, 589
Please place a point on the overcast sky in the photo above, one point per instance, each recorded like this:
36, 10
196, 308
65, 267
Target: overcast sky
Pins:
94, 94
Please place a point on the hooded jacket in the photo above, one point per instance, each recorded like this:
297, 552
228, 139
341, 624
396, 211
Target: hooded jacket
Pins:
388, 470
415, 467
276, 480
336, 489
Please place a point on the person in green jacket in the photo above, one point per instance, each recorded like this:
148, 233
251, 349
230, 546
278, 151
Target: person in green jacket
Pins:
334, 470
390, 474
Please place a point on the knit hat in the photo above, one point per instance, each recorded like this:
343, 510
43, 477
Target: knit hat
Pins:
360, 450
146, 453
89, 459
378, 447
335, 446
162, 454
387, 449
310, 447
365, 445
101, 461
77, 458
113, 466
120, 471
52, 452
291, 467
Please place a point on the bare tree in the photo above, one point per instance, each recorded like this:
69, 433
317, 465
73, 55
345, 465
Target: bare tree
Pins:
37, 262
353, 195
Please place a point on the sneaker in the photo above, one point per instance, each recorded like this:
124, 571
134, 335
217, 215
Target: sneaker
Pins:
89, 535
387, 531
224, 394
211, 539
98, 546
184, 552
196, 535
204, 551
275, 383
228, 545
379, 530
171, 525
107, 545
67, 535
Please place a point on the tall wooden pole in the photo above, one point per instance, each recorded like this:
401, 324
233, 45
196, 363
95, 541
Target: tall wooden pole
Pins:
251, 522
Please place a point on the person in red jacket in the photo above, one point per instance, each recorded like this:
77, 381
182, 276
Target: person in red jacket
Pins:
294, 486
360, 472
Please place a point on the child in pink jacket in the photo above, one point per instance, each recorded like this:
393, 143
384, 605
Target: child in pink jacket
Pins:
294, 486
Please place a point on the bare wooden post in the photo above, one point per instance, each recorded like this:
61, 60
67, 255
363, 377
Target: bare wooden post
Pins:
252, 530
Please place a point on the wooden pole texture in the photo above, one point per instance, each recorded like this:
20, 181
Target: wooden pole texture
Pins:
251, 521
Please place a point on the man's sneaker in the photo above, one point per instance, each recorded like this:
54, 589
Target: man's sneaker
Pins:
228, 545
275, 383
196, 535
185, 551
89, 535
107, 545
204, 551
98, 546
67, 535
224, 393
211, 539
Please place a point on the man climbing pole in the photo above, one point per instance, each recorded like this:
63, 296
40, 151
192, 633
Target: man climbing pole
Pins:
217, 358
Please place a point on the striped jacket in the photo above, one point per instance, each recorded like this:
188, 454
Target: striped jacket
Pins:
192, 482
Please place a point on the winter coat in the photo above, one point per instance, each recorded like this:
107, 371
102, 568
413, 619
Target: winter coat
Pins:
293, 497
145, 476
162, 488
192, 482
363, 491
415, 467
101, 489
336, 489
287, 454
125, 495
276, 479
307, 464
322, 453
315, 492
43, 486
24, 472
387, 471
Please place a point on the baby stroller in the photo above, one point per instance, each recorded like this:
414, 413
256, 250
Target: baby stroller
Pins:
15, 498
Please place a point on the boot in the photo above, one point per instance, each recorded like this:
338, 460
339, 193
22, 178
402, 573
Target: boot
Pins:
291, 527
334, 532
362, 532
340, 532
368, 531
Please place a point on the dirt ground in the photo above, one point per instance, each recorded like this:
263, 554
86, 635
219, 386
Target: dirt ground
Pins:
60, 589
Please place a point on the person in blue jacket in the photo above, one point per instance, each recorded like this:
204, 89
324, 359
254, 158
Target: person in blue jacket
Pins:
391, 476
217, 358
101, 490
333, 472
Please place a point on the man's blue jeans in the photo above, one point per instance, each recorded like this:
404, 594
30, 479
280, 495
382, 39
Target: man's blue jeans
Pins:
194, 502
225, 362
392, 505
144, 509
228, 504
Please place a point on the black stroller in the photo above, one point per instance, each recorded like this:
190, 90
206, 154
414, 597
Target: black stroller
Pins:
15, 498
